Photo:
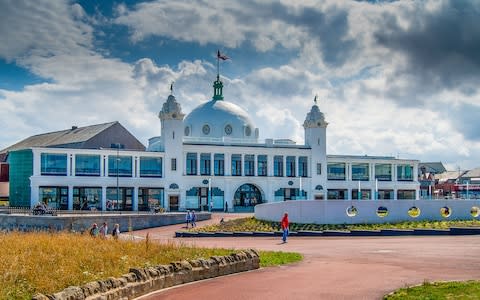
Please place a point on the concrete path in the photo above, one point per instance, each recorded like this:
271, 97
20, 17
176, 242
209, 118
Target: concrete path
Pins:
333, 268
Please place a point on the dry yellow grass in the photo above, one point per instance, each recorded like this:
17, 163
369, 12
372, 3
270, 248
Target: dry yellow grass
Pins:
49, 262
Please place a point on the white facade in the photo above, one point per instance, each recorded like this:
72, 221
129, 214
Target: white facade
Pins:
194, 175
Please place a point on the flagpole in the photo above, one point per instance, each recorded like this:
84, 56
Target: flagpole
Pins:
218, 63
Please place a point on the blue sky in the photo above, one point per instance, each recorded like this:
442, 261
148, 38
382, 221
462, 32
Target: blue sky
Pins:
394, 78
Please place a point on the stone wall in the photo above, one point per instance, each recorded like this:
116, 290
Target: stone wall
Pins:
81, 223
142, 281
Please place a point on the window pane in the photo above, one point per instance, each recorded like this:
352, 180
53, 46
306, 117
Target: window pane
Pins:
360, 172
336, 171
219, 164
262, 165
383, 172
150, 167
249, 165
303, 166
236, 165
191, 163
290, 166
53, 164
87, 198
404, 173
205, 164
87, 165
278, 166
121, 165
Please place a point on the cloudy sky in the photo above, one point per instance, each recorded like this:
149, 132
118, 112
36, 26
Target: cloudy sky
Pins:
397, 78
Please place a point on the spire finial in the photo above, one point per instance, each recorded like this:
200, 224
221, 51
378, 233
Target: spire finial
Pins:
315, 99
218, 85
171, 87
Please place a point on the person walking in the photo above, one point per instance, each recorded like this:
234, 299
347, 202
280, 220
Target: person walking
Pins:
226, 206
116, 231
188, 218
193, 219
94, 230
284, 224
103, 230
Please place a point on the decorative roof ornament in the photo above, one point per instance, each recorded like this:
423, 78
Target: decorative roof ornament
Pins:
217, 84
315, 117
171, 109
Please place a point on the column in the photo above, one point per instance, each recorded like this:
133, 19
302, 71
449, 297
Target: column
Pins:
69, 164
269, 165
284, 160
70, 197
33, 195
395, 196
228, 166
102, 166
349, 194
104, 197
135, 199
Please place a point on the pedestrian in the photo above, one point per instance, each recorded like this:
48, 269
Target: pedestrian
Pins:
188, 217
103, 230
284, 224
116, 231
193, 219
226, 206
94, 230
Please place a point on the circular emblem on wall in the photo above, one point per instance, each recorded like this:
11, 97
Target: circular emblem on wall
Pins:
206, 129
187, 131
290, 182
228, 129
248, 131
205, 181
174, 116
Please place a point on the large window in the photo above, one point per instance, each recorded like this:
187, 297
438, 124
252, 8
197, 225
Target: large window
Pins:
383, 172
219, 164
290, 166
150, 198
205, 168
87, 198
404, 173
173, 164
54, 197
385, 194
150, 167
319, 169
336, 171
303, 166
119, 165
236, 165
262, 165
87, 165
364, 195
278, 166
191, 163
122, 201
360, 172
406, 194
337, 194
249, 165
54, 164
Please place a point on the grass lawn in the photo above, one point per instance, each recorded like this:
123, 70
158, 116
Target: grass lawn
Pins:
49, 262
252, 224
438, 291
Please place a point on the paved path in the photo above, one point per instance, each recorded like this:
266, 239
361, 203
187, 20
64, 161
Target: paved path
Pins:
333, 267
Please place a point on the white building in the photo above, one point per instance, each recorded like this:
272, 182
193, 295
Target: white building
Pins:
209, 159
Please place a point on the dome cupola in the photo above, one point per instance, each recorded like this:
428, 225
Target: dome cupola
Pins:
171, 109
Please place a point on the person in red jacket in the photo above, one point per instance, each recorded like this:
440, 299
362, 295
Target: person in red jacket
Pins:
284, 224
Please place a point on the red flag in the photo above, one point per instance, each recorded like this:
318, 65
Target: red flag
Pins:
222, 56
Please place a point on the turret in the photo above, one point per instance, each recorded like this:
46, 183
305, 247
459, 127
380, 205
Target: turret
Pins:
316, 138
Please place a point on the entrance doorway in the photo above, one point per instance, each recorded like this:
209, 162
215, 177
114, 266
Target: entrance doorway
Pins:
246, 197
173, 202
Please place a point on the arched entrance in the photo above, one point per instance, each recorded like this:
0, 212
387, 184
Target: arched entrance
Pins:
246, 197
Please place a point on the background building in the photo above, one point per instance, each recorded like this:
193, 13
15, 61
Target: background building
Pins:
210, 159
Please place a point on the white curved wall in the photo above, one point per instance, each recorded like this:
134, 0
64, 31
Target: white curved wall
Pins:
334, 211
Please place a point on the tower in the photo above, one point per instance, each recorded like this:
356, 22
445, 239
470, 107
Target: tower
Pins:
316, 138
171, 118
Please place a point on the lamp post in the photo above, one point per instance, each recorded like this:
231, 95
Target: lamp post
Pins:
209, 197
118, 188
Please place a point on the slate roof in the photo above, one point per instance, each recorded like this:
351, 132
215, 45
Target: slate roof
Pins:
474, 173
68, 137
432, 167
